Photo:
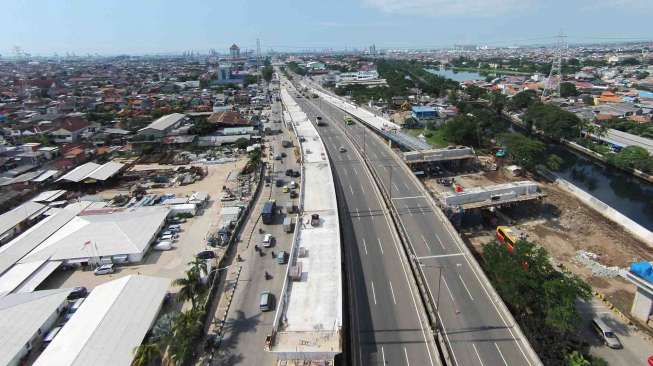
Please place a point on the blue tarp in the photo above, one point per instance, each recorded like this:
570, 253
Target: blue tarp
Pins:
643, 270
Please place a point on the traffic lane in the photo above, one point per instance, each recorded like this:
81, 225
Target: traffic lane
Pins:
399, 344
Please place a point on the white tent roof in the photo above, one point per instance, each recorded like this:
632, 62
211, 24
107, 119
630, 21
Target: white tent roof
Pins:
109, 325
93, 171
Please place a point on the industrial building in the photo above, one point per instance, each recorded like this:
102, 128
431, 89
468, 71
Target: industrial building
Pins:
110, 324
18, 219
163, 125
119, 235
92, 172
24, 319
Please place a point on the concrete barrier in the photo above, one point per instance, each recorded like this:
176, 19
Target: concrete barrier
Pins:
608, 212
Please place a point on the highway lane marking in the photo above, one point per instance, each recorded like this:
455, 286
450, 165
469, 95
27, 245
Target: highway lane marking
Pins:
406, 198
464, 284
351, 189
440, 256
393, 293
477, 355
383, 354
380, 246
406, 354
395, 186
426, 243
373, 292
365, 246
358, 214
500, 353
440, 241
450, 293
371, 215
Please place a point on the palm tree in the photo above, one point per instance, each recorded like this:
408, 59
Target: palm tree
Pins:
188, 286
146, 354
199, 266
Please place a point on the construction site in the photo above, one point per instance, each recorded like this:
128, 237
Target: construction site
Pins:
578, 238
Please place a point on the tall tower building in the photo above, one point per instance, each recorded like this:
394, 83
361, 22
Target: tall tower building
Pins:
234, 51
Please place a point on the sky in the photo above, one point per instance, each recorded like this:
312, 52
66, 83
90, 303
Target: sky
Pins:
109, 27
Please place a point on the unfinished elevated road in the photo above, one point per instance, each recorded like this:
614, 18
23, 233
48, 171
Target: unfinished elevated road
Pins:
387, 324
476, 327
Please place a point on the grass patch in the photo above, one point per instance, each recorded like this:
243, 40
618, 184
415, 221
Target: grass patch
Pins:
436, 138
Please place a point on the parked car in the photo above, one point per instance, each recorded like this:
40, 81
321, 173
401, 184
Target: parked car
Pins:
283, 154
296, 173
268, 240
49, 336
206, 254
163, 245
282, 257
72, 309
285, 189
342, 149
77, 293
289, 172
266, 301
104, 269
174, 228
293, 194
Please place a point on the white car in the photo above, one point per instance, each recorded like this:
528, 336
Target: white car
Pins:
268, 240
104, 269
163, 245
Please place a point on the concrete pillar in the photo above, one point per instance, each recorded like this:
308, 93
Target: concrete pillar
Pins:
642, 304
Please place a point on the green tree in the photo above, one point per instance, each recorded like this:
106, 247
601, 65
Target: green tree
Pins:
554, 162
146, 354
522, 100
463, 130
474, 91
576, 358
553, 121
568, 90
497, 101
267, 73
187, 330
632, 157
524, 151
242, 143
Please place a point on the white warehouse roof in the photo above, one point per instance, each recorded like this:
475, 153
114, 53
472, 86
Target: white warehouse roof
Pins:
92, 171
10, 219
109, 325
21, 316
164, 122
108, 234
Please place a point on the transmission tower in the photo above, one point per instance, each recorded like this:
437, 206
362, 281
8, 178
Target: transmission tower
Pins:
258, 61
552, 84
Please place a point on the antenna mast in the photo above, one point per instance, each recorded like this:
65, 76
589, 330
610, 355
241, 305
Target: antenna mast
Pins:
552, 83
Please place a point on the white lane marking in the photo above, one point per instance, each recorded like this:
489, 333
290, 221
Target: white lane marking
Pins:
392, 290
371, 216
406, 354
355, 171
380, 246
365, 246
395, 186
373, 292
449, 290
358, 214
440, 241
500, 353
406, 198
351, 189
440, 256
426, 244
477, 355
383, 354
465, 285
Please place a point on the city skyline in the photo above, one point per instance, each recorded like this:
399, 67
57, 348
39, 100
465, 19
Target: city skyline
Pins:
119, 27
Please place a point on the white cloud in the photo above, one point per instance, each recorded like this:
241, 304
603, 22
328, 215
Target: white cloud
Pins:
450, 7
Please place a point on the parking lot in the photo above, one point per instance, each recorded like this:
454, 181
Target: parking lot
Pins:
192, 238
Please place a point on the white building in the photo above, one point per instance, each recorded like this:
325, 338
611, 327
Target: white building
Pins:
163, 125
24, 319
111, 323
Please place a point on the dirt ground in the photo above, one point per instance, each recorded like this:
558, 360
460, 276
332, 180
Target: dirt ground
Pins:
563, 225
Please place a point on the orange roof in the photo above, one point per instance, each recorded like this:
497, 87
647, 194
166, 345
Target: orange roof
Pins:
603, 117
640, 119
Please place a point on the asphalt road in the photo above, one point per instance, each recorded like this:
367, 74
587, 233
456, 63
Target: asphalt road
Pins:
387, 322
246, 326
476, 331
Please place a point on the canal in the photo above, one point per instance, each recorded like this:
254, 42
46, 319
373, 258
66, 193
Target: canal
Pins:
627, 194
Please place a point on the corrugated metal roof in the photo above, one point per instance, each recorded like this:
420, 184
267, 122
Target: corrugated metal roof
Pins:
21, 315
106, 171
10, 219
79, 173
164, 122
110, 324
93, 171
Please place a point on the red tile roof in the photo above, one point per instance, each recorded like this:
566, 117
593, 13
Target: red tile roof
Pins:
229, 118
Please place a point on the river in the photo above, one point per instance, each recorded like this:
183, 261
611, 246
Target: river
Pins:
627, 194
458, 76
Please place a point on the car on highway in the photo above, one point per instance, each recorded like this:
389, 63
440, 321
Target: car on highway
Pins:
342, 149
277, 157
606, 334
266, 301
279, 182
283, 155
268, 240
289, 172
282, 257
104, 269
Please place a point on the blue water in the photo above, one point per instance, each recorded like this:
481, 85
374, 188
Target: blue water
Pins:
456, 75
